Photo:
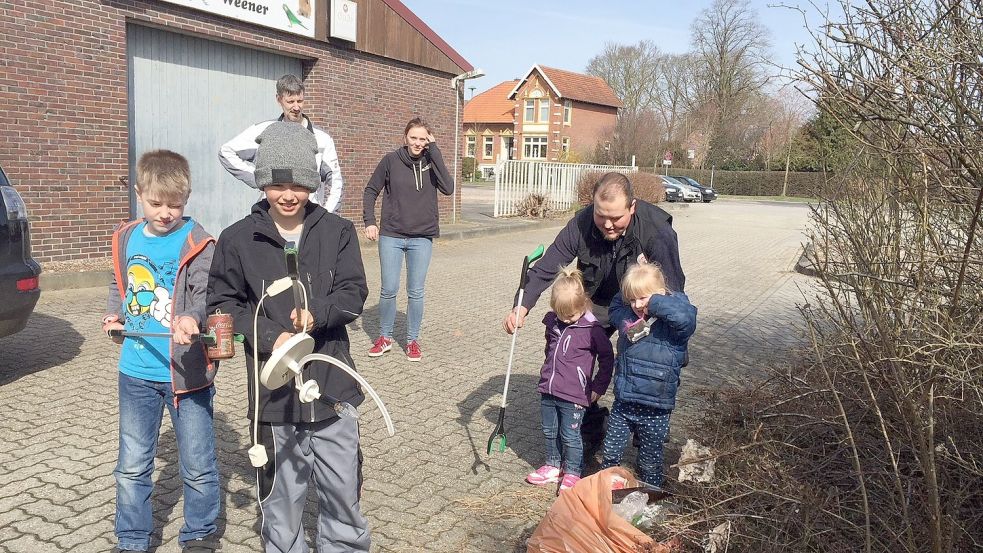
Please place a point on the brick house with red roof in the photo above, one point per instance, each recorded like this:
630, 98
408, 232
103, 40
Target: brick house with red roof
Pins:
549, 115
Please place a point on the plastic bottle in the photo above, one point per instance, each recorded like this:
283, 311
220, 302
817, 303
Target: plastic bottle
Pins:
631, 506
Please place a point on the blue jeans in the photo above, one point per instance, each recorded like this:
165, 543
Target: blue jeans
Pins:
391, 252
141, 409
561, 425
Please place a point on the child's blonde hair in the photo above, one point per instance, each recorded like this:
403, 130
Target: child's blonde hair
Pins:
569, 298
163, 174
642, 279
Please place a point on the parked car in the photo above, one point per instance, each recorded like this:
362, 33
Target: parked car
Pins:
19, 290
709, 194
687, 192
674, 192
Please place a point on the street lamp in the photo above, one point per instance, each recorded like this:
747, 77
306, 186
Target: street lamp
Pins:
456, 83
474, 166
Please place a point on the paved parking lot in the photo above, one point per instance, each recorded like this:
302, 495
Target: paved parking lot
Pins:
431, 487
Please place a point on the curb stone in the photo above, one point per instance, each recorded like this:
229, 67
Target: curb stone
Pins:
804, 264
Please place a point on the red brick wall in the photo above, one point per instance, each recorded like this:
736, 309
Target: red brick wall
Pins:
589, 123
63, 107
495, 129
521, 95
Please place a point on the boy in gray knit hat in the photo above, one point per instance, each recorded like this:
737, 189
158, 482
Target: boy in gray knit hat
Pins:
292, 439
285, 155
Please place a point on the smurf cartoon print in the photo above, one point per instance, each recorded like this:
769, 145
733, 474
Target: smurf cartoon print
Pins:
146, 300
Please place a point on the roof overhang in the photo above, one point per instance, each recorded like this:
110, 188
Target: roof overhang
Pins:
542, 74
429, 33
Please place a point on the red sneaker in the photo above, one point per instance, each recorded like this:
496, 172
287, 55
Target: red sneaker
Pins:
382, 345
413, 352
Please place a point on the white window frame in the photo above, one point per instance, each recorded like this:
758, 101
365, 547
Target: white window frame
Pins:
471, 148
544, 110
529, 114
565, 145
567, 112
534, 144
488, 147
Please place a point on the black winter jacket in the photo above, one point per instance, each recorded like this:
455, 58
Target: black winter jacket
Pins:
409, 193
650, 232
249, 257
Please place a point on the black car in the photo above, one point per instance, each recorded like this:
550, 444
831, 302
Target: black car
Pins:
19, 272
709, 194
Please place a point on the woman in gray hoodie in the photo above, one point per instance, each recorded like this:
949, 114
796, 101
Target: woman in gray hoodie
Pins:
408, 179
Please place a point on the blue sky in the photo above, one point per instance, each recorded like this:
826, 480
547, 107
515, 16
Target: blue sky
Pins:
507, 37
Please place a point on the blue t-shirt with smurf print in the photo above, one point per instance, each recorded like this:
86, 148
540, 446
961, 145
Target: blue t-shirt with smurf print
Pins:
151, 268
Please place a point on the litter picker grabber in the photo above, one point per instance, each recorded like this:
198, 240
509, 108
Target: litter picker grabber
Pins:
207, 339
498, 434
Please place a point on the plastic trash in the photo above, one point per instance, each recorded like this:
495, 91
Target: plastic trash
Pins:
651, 515
691, 470
582, 520
631, 506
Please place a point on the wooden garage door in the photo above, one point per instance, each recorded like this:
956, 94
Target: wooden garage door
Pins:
191, 95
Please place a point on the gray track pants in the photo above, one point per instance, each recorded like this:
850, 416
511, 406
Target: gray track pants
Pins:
329, 451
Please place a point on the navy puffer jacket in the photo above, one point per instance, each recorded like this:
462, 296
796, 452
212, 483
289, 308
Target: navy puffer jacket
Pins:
648, 370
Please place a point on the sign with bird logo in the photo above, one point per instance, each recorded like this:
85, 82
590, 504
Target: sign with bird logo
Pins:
292, 16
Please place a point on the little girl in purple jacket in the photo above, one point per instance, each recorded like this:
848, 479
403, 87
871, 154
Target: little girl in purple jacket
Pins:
575, 341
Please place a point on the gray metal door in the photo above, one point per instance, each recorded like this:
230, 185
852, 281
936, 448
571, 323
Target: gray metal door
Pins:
191, 95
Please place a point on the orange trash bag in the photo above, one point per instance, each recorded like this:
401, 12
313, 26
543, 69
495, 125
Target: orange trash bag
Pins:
581, 521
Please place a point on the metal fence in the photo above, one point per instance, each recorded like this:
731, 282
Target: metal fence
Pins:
515, 180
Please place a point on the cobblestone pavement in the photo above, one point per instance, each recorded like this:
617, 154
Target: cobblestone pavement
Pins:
429, 488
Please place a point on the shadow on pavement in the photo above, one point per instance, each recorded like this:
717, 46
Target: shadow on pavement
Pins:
46, 342
233, 465
478, 413
369, 324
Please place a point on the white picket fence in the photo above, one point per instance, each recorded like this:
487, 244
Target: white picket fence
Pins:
514, 180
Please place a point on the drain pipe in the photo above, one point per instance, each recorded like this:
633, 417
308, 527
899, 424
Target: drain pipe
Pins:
456, 83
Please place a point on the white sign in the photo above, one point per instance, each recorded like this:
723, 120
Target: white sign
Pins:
292, 16
691, 154
667, 162
344, 20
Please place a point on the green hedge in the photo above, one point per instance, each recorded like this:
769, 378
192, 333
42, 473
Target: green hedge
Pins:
755, 183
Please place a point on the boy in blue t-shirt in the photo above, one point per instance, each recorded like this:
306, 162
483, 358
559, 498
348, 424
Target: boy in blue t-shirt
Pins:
161, 267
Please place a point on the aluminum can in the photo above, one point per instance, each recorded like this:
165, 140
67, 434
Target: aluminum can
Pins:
221, 325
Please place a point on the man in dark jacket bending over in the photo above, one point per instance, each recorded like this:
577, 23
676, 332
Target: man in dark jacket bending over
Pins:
605, 238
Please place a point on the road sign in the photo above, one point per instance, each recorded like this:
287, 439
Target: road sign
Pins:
667, 159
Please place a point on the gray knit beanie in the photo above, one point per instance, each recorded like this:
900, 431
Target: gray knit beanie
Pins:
287, 155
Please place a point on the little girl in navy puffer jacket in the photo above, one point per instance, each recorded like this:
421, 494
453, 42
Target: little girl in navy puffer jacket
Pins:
575, 341
654, 326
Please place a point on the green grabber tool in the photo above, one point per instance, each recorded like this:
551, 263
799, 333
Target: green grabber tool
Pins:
497, 439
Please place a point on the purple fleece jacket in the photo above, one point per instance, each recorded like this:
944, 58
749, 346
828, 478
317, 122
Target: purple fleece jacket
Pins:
571, 352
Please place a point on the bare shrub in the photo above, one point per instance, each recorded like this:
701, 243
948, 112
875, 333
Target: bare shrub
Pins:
534, 205
872, 440
646, 186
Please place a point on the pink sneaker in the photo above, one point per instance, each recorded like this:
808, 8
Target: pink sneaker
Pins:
569, 481
382, 345
545, 474
413, 352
